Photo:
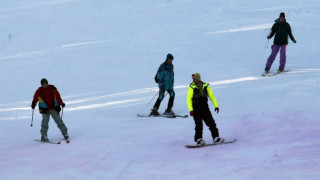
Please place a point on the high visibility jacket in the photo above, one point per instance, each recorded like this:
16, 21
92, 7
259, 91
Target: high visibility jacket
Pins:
197, 97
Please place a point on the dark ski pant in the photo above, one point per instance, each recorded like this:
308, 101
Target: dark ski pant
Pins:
45, 122
206, 116
161, 96
275, 50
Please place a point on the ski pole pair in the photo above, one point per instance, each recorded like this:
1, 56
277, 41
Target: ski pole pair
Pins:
33, 113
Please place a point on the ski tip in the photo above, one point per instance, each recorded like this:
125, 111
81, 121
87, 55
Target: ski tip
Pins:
58, 142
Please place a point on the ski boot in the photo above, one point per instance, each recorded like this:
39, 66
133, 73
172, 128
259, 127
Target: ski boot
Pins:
218, 140
266, 71
280, 70
44, 139
66, 136
168, 112
154, 112
201, 142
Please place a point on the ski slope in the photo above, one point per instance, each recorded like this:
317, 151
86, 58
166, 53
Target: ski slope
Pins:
103, 55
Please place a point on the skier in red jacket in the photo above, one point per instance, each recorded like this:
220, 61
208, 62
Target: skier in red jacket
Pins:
49, 104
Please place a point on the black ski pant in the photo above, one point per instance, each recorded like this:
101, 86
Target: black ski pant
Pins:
161, 96
206, 116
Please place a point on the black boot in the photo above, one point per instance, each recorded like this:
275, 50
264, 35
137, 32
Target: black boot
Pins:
44, 139
154, 112
168, 112
280, 70
66, 136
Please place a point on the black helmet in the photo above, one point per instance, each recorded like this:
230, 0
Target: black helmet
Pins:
43, 80
169, 56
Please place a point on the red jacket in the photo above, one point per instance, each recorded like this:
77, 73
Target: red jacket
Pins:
49, 98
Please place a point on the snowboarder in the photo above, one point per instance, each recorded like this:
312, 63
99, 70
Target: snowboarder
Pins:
165, 80
197, 101
49, 104
281, 29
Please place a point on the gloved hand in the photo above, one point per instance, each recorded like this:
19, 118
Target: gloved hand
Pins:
294, 41
33, 105
63, 105
156, 79
191, 113
216, 110
268, 37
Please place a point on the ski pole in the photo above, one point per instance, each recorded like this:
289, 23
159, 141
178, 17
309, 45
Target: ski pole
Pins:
32, 118
61, 113
149, 102
267, 44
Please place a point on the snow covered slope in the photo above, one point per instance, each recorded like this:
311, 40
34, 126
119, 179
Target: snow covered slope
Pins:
102, 56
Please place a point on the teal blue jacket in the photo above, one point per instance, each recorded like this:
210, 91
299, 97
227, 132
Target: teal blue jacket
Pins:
165, 76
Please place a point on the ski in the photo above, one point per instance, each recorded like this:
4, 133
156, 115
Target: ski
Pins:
278, 73
269, 74
174, 115
265, 74
50, 142
67, 141
163, 115
211, 144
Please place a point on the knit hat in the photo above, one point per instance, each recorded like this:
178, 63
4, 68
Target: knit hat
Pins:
282, 14
43, 80
196, 76
169, 56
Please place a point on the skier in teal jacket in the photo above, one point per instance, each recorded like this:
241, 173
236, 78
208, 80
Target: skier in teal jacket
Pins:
165, 80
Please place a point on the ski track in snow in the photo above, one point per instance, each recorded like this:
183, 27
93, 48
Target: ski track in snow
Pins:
37, 53
122, 99
37, 5
46, 51
247, 28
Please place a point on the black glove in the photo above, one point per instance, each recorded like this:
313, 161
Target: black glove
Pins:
216, 109
33, 105
268, 37
156, 79
63, 105
294, 41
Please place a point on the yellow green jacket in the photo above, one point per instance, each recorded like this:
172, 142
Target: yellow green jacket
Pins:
197, 98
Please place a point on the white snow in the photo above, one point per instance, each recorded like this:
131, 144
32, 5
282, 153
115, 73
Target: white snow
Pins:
102, 56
